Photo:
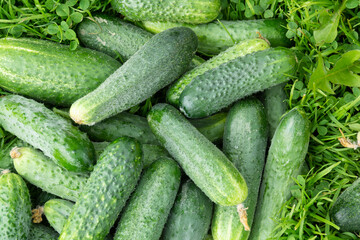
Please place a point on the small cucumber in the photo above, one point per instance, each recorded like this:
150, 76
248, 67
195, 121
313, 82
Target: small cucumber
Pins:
51, 72
15, 207
57, 211
238, 50
219, 87
40, 171
161, 60
190, 216
284, 161
148, 208
37, 125
106, 191
345, 211
211, 127
217, 36
245, 142
189, 11
41, 232
201, 160
275, 106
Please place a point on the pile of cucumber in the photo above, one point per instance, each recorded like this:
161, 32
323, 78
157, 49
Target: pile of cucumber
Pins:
197, 167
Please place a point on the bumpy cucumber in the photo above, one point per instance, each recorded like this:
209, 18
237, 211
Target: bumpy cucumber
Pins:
15, 207
123, 124
161, 60
190, 216
215, 37
345, 211
41, 232
275, 106
37, 125
284, 161
211, 127
205, 164
106, 191
57, 211
245, 142
231, 81
189, 11
50, 72
238, 50
148, 208
40, 171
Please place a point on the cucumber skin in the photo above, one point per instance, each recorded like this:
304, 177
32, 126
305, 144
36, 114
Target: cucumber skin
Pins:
40, 171
57, 211
106, 188
50, 72
206, 165
161, 60
15, 207
214, 39
245, 143
218, 88
6, 161
345, 211
284, 161
238, 50
148, 208
190, 216
41, 232
211, 127
275, 106
189, 11
37, 125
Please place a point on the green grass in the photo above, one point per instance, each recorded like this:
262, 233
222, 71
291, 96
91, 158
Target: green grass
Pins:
332, 167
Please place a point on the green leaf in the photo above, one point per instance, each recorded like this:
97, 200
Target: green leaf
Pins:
70, 34
2, 134
74, 44
328, 30
71, 3
318, 79
50, 4
64, 25
322, 130
53, 29
350, 4
76, 17
62, 10
84, 4
17, 30
346, 70
268, 14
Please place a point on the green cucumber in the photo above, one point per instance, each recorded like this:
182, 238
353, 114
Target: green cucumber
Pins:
345, 211
41, 232
161, 60
284, 161
51, 72
245, 142
190, 216
40, 171
15, 207
123, 124
6, 161
189, 11
37, 125
218, 88
217, 36
201, 160
148, 208
211, 127
275, 106
57, 211
238, 50
106, 191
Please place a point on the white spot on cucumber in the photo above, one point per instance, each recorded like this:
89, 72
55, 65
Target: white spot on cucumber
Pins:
101, 41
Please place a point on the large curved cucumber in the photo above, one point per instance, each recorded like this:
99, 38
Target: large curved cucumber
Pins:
284, 161
205, 164
15, 207
245, 142
106, 191
190, 216
50, 72
216, 36
190, 11
40, 171
215, 89
238, 50
161, 60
